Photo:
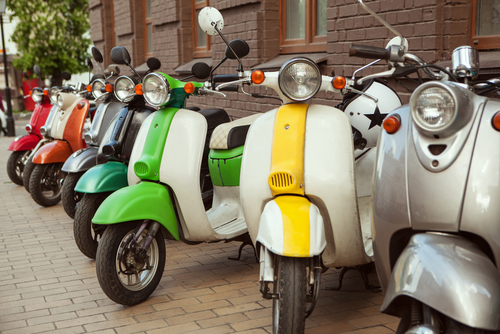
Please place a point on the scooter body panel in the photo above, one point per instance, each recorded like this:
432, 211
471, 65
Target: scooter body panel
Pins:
39, 116
70, 102
24, 143
81, 160
110, 176
450, 274
73, 130
57, 151
146, 200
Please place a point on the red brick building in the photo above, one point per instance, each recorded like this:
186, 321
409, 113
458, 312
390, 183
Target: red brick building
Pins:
277, 29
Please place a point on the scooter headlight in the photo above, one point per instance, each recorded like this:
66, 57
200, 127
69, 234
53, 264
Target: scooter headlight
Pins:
124, 89
299, 79
60, 100
433, 108
43, 130
37, 96
53, 94
97, 86
155, 89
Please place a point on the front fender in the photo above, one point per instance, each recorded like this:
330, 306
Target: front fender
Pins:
24, 143
449, 274
81, 160
110, 176
292, 226
53, 152
146, 200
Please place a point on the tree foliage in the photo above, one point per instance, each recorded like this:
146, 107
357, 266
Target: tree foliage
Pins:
52, 34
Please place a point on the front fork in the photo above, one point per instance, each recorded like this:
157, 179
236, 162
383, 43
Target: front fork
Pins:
267, 261
38, 145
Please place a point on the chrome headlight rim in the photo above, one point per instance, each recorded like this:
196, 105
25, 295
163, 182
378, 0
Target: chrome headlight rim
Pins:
116, 90
36, 96
53, 94
60, 100
98, 94
425, 127
163, 81
291, 62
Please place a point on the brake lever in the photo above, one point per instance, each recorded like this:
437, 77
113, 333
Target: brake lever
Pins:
206, 91
377, 75
236, 82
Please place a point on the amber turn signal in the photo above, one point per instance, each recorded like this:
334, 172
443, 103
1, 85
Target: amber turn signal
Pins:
89, 88
109, 88
46, 92
339, 82
258, 77
138, 89
392, 124
496, 121
189, 88
31, 92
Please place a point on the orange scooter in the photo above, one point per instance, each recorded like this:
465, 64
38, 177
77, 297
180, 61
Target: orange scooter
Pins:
46, 179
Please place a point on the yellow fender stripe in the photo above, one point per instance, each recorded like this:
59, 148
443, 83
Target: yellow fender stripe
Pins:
296, 225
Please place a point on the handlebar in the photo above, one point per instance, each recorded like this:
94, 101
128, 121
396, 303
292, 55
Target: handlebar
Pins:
371, 52
230, 88
225, 77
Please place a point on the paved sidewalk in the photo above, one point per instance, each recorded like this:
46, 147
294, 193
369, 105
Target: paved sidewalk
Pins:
48, 286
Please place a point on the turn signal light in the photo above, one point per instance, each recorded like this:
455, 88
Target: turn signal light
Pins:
189, 88
31, 92
89, 88
28, 127
138, 89
109, 88
258, 77
339, 82
392, 124
496, 121
46, 92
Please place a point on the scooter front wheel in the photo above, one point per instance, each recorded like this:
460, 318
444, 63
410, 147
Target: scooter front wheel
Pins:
127, 275
45, 184
290, 290
86, 234
69, 196
15, 166
28, 169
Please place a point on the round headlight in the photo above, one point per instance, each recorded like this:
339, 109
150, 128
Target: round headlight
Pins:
53, 94
433, 108
299, 79
60, 100
155, 89
124, 89
43, 130
37, 96
97, 85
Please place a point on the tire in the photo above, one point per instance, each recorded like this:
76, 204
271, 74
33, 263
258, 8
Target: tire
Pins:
46, 183
15, 166
69, 196
289, 308
86, 234
111, 247
28, 169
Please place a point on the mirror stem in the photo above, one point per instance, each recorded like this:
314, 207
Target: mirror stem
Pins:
133, 70
240, 66
213, 70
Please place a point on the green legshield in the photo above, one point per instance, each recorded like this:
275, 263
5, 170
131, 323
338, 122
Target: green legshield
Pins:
146, 200
225, 166
110, 176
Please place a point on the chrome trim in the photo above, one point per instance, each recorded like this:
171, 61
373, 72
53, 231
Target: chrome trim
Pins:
300, 60
127, 98
164, 81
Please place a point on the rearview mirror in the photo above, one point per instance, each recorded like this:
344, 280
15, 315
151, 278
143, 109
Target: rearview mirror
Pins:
153, 63
112, 68
37, 71
66, 75
209, 18
89, 63
200, 70
97, 55
239, 46
120, 55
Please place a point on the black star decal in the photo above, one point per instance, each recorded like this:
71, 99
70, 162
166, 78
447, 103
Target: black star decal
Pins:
376, 118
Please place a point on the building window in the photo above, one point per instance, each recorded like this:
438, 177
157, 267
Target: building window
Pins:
302, 26
201, 41
148, 29
486, 24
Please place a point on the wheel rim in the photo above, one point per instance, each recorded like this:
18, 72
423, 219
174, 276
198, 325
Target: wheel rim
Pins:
20, 164
51, 181
137, 275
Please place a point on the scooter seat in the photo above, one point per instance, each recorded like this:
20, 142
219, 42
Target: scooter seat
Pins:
233, 134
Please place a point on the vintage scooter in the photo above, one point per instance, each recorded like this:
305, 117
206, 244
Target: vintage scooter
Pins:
85, 158
67, 131
435, 199
23, 145
115, 149
173, 177
305, 190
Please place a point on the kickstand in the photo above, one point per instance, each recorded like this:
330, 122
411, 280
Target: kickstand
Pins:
245, 241
363, 270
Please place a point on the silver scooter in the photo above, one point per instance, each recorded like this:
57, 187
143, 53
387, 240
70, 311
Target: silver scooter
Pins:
435, 199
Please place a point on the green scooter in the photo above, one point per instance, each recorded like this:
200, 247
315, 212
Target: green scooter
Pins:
178, 163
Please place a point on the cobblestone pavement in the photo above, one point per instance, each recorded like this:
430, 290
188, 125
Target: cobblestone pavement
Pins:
47, 285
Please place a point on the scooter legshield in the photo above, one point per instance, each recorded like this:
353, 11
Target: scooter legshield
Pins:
292, 226
110, 176
449, 274
53, 152
146, 200
24, 143
81, 160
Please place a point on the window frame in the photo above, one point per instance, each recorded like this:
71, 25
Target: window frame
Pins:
199, 52
482, 42
311, 42
146, 21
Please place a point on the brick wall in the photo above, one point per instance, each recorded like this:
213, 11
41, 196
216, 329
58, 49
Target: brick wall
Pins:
433, 28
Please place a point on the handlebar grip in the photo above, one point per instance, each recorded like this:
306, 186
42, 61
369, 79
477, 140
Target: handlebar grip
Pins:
230, 88
366, 51
225, 77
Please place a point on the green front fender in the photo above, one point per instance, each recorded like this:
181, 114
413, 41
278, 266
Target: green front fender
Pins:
110, 176
146, 200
